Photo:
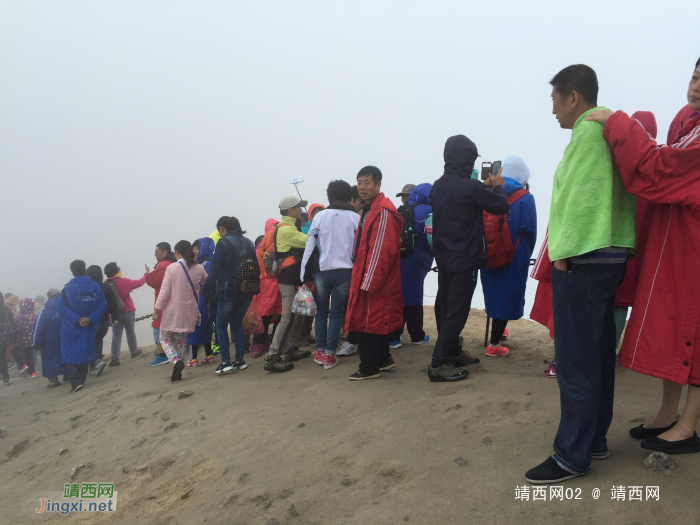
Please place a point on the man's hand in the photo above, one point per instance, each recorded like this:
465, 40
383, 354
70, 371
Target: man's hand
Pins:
148, 270
83, 321
497, 180
600, 115
561, 265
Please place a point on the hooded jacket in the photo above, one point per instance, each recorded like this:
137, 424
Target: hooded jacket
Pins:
26, 320
458, 203
202, 333
269, 299
47, 337
375, 303
154, 279
416, 266
81, 297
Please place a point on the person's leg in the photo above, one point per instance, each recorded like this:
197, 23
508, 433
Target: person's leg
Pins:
223, 316
18, 354
81, 374
457, 291
498, 326
129, 320
156, 340
383, 350
181, 345
241, 305
685, 428
102, 329
117, 331
3, 364
413, 317
668, 411
296, 325
207, 349
169, 345
195, 348
370, 348
441, 298
324, 288
288, 292
620, 321
29, 359
339, 293
71, 374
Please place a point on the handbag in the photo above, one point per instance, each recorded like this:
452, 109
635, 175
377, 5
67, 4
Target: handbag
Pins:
196, 298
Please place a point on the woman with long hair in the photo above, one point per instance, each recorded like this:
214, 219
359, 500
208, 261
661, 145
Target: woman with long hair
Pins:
177, 305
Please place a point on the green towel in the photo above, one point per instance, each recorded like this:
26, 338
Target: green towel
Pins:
590, 207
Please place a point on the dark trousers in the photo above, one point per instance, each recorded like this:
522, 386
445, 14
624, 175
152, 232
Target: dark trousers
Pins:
3, 363
498, 328
77, 373
207, 350
374, 351
102, 329
452, 305
352, 338
583, 300
24, 356
413, 321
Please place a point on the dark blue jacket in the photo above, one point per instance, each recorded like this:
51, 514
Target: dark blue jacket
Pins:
82, 297
416, 266
47, 337
458, 203
203, 331
223, 266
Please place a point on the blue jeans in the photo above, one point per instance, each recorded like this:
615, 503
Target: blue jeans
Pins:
232, 311
583, 300
332, 288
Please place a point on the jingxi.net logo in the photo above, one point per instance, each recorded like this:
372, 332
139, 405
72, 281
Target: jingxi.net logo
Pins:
80, 497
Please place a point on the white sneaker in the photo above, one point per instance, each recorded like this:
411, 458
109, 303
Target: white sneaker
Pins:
347, 348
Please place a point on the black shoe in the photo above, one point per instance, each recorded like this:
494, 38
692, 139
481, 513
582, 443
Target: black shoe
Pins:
177, 371
548, 472
388, 365
647, 433
114, 362
76, 388
446, 373
684, 446
359, 376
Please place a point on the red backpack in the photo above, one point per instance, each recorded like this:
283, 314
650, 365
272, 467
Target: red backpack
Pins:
499, 244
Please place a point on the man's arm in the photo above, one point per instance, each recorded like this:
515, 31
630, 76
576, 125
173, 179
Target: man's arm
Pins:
155, 278
495, 201
96, 315
294, 237
66, 313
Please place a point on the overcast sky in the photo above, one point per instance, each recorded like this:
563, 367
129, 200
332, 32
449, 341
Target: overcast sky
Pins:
125, 124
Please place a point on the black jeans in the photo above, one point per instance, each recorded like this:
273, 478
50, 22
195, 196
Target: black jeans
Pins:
374, 351
77, 373
352, 338
498, 327
207, 350
24, 356
3, 363
102, 329
413, 320
452, 305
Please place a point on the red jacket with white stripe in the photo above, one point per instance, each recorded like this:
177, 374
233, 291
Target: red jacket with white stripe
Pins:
663, 333
375, 304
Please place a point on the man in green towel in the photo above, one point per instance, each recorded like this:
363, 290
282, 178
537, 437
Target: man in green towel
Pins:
591, 235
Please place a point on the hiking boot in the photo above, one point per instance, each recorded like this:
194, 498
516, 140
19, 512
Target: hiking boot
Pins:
275, 363
464, 359
446, 373
113, 362
359, 376
492, 351
387, 365
347, 348
329, 361
294, 354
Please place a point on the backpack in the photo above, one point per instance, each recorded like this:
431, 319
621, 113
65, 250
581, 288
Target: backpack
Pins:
267, 255
428, 228
408, 228
499, 244
246, 275
120, 302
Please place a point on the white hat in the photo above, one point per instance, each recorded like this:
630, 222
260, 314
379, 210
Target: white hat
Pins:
515, 168
290, 201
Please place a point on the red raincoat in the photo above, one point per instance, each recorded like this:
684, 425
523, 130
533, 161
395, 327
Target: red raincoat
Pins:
375, 304
269, 299
662, 335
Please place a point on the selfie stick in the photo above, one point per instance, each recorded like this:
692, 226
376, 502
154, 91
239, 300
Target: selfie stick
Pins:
295, 181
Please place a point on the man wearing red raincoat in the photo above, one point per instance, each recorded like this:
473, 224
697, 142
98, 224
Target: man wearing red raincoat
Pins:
375, 303
663, 333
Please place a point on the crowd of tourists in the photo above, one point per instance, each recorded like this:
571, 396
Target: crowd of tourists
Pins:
624, 222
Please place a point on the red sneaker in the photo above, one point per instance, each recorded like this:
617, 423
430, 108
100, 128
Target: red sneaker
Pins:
505, 335
492, 351
209, 359
329, 361
22, 370
318, 357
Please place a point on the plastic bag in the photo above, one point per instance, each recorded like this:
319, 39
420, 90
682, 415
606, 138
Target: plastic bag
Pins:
252, 322
304, 303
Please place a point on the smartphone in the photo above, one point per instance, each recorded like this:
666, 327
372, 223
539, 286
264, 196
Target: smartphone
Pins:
495, 168
485, 170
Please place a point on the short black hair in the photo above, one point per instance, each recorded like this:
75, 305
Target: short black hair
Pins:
579, 78
373, 171
224, 222
339, 191
354, 193
111, 269
77, 267
195, 244
164, 247
283, 213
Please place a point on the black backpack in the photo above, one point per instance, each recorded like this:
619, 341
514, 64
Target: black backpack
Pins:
246, 276
408, 228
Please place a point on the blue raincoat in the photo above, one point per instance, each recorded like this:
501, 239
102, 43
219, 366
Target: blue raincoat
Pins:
47, 336
203, 333
415, 267
82, 297
504, 288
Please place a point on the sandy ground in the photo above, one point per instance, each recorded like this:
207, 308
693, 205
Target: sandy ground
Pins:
309, 446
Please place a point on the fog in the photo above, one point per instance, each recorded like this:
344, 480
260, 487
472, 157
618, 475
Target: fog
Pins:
125, 124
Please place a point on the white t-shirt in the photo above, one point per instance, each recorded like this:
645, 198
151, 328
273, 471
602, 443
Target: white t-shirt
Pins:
333, 231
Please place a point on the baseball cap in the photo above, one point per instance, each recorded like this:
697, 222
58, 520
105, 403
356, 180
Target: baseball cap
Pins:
406, 190
290, 201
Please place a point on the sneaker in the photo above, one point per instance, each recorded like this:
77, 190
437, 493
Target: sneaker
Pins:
177, 371
275, 363
295, 354
318, 357
505, 335
6, 382
215, 350
114, 362
22, 370
600, 455
159, 361
395, 344
464, 358
359, 376
425, 340
496, 351
446, 373
32, 375
137, 353
329, 361
551, 371
548, 472
99, 367
224, 367
77, 387
192, 363
347, 348
388, 365
240, 365
208, 359
256, 351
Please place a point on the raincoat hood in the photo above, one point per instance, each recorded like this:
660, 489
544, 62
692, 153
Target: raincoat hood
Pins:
206, 249
460, 154
511, 185
420, 194
648, 122
270, 224
26, 306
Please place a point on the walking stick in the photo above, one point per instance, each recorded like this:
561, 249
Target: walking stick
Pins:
486, 337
